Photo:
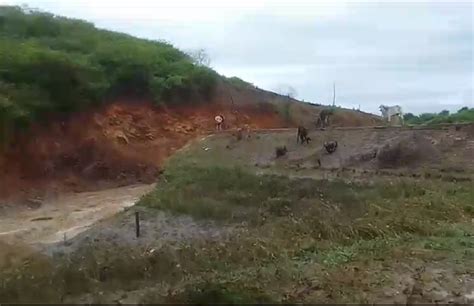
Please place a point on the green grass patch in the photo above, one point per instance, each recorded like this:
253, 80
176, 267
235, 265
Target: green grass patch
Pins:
299, 231
215, 293
360, 211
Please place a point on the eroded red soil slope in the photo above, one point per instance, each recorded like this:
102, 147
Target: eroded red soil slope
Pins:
123, 143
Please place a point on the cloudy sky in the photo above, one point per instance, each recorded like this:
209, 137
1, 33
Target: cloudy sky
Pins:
417, 54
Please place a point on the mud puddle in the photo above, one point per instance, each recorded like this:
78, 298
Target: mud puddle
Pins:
68, 215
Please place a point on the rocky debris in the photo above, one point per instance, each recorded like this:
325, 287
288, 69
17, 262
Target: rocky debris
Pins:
184, 128
121, 137
406, 151
364, 157
427, 284
33, 203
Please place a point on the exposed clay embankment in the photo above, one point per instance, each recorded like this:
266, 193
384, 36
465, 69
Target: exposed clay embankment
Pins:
118, 145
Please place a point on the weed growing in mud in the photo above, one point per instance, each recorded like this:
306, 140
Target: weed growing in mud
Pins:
354, 210
234, 194
95, 268
214, 293
213, 193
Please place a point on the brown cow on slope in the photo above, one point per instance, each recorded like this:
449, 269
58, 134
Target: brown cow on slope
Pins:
302, 135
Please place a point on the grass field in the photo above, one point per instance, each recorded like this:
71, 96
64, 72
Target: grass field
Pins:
396, 240
306, 240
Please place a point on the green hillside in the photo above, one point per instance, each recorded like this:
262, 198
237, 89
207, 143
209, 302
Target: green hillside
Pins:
51, 64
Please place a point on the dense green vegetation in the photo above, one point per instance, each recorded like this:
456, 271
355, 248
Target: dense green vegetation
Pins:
51, 64
463, 115
239, 83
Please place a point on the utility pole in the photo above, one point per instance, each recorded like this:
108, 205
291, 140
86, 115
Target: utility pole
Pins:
334, 96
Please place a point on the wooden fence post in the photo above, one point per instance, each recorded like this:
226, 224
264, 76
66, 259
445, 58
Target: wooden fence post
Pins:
137, 224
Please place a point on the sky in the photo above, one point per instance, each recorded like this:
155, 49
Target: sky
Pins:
416, 54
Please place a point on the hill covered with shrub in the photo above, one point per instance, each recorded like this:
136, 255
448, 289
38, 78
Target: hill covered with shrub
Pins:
51, 64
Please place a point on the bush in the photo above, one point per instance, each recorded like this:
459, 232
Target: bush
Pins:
51, 64
239, 83
463, 115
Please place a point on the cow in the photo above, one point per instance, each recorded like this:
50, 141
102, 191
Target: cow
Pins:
389, 111
323, 118
247, 130
330, 146
239, 134
302, 135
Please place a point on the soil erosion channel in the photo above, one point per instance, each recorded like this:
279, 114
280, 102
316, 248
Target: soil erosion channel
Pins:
67, 215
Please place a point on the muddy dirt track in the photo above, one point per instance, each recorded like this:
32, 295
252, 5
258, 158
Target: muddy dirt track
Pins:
67, 215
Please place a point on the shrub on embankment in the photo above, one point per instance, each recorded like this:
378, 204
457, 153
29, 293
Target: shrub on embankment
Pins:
51, 64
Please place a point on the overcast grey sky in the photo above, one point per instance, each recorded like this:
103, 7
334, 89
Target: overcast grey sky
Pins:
418, 54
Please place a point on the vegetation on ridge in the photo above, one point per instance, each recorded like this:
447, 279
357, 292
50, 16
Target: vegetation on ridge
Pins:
463, 115
51, 64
